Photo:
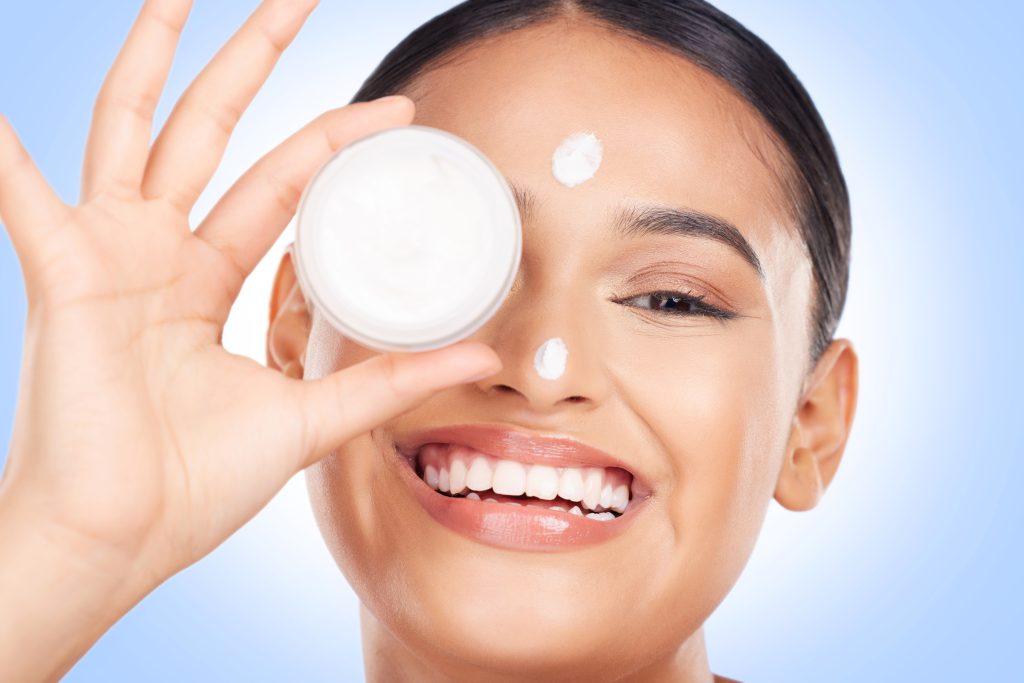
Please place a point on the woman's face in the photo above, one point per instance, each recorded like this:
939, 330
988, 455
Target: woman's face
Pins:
698, 408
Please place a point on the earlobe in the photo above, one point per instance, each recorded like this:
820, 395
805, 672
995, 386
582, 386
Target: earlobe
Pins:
821, 427
288, 332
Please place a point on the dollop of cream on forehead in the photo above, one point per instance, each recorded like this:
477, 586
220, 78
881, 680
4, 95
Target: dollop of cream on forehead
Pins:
577, 159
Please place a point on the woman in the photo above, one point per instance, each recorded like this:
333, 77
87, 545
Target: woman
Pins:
696, 278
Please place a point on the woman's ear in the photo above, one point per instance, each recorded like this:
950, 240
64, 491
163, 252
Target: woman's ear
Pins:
820, 429
288, 333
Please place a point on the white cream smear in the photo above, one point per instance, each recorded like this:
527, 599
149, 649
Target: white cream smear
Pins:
577, 159
550, 359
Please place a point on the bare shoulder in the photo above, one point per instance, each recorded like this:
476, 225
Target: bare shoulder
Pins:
723, 679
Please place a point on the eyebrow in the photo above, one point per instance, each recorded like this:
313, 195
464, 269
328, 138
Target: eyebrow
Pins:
642, 220
638, 221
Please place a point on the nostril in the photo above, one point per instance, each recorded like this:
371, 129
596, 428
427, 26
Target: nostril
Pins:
576, 399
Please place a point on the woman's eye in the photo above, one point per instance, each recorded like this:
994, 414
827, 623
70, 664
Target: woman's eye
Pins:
677, 303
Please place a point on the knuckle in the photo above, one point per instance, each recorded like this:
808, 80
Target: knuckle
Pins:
138, 102
394, 378
179, 199
285, 192
223, 115
335, 134
156, 15
16, 163
277, 42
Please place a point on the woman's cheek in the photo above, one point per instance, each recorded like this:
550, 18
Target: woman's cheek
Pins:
710, 399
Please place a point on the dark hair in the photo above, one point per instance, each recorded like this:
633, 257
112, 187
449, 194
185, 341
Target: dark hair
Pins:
714, 41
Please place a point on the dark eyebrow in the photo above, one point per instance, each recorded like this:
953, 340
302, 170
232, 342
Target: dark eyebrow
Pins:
637, 221
640, 220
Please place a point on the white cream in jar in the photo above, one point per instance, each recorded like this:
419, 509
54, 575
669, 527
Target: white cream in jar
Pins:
408, 239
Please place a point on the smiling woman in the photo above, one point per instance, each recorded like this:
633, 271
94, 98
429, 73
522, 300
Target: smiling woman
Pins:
696, 281
491, 518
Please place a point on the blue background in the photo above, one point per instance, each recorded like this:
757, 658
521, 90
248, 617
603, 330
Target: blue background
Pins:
910, 569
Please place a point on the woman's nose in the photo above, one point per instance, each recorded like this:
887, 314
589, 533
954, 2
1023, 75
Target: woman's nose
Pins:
519, 330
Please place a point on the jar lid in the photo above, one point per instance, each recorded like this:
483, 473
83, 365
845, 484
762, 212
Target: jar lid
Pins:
407, 239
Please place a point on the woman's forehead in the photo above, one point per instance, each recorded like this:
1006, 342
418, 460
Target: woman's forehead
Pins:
672, 133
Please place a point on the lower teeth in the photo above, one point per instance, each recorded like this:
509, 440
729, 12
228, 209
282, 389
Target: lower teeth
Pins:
603, 516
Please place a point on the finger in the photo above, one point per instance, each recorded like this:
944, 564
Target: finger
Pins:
353, 401
189, 148
28, 206
247, 221
122, 123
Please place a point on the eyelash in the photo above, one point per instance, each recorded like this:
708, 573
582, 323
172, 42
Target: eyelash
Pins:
693, 305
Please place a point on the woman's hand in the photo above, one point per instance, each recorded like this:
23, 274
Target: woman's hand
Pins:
139, 443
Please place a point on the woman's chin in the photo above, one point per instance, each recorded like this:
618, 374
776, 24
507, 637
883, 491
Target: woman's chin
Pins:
536, 636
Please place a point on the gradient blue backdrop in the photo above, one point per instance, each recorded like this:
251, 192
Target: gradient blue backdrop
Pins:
910, 569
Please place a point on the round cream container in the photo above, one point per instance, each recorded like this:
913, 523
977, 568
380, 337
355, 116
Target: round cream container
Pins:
407, 239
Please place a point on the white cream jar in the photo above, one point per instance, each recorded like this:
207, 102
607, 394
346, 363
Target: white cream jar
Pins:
407, 240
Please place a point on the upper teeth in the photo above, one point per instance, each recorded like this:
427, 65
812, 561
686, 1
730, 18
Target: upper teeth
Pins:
453, 469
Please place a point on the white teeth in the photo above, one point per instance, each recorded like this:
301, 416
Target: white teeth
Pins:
575, 510
542, 482
620, 498
457, 474
479, 476
473, 495
603, 516
430, 476
509, 478
593, 477
570, 484
451, 469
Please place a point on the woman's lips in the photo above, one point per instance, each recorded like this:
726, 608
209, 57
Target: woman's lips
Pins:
502, 442
511, 526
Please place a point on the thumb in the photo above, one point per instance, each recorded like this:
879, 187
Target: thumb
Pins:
343, 405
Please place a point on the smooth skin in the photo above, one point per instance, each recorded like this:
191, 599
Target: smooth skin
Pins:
139, 443
721, 416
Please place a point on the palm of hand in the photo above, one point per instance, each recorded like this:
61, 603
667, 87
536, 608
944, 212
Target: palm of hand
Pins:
157, 418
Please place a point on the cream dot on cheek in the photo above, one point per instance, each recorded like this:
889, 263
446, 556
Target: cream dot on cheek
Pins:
577, 159
550, 359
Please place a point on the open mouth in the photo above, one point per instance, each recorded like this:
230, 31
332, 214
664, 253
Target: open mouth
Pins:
458, 471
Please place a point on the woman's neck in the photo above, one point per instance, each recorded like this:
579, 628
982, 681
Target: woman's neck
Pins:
386, 658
